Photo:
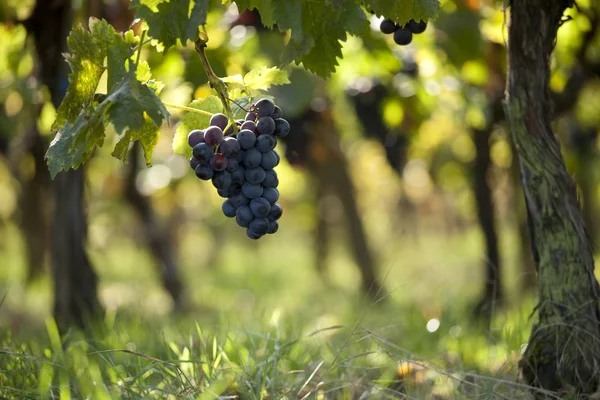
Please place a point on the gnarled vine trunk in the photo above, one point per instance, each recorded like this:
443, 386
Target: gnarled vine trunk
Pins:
564, 348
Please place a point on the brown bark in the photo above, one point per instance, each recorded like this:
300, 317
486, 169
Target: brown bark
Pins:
563, 353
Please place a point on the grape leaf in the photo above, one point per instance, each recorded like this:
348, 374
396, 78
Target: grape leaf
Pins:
147, 135
405, 10
192, 120
264, 6
75, 142
86, 60
264, 77
172, 20
130, 101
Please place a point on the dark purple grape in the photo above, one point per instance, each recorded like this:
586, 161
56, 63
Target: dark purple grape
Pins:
219, 162
251, 116
196, 136
238, 175
194, 163
204, 172
255, 175
266, 143
271, 179
269, 160
282, 127
239, 200
232, 164
260, 226
230, 147
247, 139
277, 113
260, 207
222, 180
271, 194
402, 37
276, 212
252, 190
265, 126
213, 135
387, 26
203, 152
228, 209
239, 122
244, 214
252, 235
250, 125
224, 193
265, 107
416, 27
273, 227
252, 158
219, 120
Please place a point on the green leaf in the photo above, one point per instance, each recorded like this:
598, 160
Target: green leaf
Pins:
263, 78
235, 79
192, 120
86, 60
147, 135
405, 10
264, 6
75, 142
172, 20
130, 100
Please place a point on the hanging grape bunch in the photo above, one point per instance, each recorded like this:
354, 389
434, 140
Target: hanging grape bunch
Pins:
241, 166
403, 34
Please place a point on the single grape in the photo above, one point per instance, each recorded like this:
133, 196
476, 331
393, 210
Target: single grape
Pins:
402, 37
387, 26
228, 209
271, 179
203, 152
253, 235
265, 126
196, 136
232, 164
247, 139
282, 127
224, 193
230, 147
239, 122
213, 135
260, 207
222, 180
273, 227
252, 190
255, 175
251, 116
276, 212
194, 163
265, 107
266, 143
260, 226
219, 162
269, 160
271, 194
239, 200
250, 125
416, 27
204, 172
244, 214
238, 175
252, 158
219, 120
277, 113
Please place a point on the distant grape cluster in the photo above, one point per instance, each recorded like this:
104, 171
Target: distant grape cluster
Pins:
241, 165
403, 35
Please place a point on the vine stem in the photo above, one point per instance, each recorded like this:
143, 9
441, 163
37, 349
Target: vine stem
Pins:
215, 82
139, 50
188, 109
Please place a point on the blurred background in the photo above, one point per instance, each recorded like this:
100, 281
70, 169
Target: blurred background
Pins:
401, 192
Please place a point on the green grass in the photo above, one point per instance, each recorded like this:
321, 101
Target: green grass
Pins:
260, 324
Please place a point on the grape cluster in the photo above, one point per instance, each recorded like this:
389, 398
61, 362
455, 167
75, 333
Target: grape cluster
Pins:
241, 165
403, 34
